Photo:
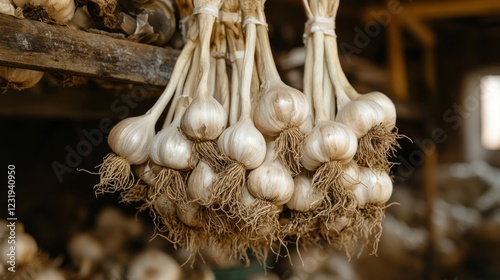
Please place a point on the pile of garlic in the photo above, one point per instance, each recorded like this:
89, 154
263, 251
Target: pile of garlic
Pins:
244, 161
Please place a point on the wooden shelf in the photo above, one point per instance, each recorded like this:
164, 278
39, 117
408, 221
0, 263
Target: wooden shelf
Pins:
50, 48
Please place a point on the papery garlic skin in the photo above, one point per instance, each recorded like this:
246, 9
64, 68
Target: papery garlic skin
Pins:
204, 119
280, 107
271, 182
243, 143
361, 116
385, 103
247, 199
382, 190
171, 149
59, 10
304, 197
131, 138
350, 175
164, 206
22, 78
362, 190
190, 215
326, 142
199, 182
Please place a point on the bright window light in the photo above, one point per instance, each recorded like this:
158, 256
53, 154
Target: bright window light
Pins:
490, 113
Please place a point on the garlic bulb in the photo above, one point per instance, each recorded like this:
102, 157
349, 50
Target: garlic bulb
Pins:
304, 197
59, 10
26, 248
271, 181
20, 79
200, 182
85, 251
350, 177
385, 103
205, 119
381, 192
361, 190
243, 143
153, 264
131, 138
191, 215
361, 116
169, 147
326, 142
279, 108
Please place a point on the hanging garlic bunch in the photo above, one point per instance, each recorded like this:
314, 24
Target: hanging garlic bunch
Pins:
59, 11
131, 138
241, 142
18, 79
371, 116
281, 109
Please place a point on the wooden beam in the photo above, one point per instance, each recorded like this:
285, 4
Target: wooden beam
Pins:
448, 9
429, 10
397, 61
50, 48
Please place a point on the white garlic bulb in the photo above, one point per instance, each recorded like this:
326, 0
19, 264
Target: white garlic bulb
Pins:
20, 78
385, 103
199, 182
326, 142
25, 248
361, 116
131, 138
170, 148
190, 215
350, 176
164, 206
204, 119
59, 10
153, 264
304, 197
243, 143
279, 108
382, 190
271, 181
367, 181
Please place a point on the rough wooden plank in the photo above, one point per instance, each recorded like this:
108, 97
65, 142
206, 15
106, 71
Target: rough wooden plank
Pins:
40, 46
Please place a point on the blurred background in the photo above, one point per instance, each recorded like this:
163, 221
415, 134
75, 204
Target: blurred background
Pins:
437, 60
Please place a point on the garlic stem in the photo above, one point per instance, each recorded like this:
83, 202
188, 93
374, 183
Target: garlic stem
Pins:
318, 96
206, 23
308, 78
247, 71
236, 63
332, 58
267, 67
182, 60
222, 78
178, 92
